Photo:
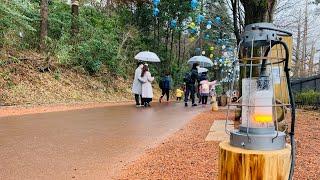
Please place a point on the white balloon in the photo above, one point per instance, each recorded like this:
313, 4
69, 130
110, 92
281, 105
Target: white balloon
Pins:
223, 47
209, 26
225, 54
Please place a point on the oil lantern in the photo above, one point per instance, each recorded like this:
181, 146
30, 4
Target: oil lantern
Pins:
257, 147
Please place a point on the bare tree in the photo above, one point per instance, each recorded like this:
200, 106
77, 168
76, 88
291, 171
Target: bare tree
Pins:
305, 40
297, 69
43, 24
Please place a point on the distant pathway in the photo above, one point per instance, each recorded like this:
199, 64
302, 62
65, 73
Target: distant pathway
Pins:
84, 144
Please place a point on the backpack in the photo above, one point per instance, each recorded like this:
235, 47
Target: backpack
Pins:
187, 78
205, 87
166, 83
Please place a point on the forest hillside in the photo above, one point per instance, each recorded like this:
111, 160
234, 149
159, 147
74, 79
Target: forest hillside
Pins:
61, 51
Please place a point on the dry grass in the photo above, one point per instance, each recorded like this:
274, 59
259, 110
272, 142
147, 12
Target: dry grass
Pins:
22, 83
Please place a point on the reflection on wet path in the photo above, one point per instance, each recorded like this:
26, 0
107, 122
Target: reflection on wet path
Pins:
84, 144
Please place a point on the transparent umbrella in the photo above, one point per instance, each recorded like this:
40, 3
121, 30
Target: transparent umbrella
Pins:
202, 60
147, 56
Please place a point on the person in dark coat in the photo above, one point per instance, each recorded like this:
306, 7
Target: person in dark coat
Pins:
165, 86
190, 79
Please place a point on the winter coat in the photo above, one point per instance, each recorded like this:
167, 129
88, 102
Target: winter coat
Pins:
205, 87
179, 93
137, 85
146, 85
166, 82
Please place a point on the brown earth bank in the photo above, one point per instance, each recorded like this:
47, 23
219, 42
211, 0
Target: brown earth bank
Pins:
27, 78
186, 155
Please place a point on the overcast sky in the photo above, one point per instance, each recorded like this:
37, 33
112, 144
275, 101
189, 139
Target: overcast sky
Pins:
287, 14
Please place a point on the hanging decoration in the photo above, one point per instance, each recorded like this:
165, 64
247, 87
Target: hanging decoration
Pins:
217, 20
203, 53
211, 56
194, 4
156, 11
173, 23
156, 2
200, 19
192, 25
209, 24
207, 37
211, 48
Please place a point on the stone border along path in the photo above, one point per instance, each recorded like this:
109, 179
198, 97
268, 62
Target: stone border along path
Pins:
217, 131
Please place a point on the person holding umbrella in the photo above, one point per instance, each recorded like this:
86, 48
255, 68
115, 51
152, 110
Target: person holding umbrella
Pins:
146, 79
190, 79
137, 85
145, 56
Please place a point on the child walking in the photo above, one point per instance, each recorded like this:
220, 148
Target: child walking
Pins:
179, 94
205, 90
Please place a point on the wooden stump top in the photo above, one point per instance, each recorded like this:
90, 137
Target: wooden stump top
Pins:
243, 164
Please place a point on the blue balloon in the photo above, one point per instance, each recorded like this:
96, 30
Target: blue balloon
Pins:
209, 22
155, 11
217, 20
193, 31
194, 4
200, 18
173, 23
156, 2
207, 36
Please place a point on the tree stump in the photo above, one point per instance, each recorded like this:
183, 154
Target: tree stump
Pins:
242, 164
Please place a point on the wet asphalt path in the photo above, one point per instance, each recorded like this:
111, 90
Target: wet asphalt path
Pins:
84, 144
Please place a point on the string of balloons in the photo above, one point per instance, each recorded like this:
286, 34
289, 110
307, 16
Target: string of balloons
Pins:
192, 27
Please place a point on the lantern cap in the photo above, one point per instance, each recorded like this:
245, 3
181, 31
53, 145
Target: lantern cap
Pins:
261, 34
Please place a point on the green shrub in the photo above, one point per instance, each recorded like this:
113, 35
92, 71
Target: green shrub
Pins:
309, 97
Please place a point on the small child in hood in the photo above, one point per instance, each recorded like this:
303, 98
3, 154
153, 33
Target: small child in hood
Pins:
179, 94
205, 87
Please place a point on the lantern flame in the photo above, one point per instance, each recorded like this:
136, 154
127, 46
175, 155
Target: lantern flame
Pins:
262, 118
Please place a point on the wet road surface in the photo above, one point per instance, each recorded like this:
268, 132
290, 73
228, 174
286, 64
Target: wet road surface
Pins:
84, 144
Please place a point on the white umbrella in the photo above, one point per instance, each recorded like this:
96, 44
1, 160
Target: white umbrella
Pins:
202, 60
147, 56
202, 70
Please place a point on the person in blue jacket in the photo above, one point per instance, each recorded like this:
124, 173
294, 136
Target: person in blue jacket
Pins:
165, 86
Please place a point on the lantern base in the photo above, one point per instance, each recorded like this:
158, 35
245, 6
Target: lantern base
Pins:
271, 141
242, 164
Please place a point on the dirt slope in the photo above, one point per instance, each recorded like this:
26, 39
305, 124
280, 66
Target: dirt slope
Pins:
28, 78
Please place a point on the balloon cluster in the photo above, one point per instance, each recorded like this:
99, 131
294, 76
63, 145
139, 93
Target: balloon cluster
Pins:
156, 11
194, 4
173, 23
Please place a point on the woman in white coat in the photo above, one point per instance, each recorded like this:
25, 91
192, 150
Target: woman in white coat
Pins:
137, 85
146, 79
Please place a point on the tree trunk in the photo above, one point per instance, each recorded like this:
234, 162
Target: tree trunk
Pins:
305, 40
74, 14
235, 19
171, 46
43, 24
297, 65
311, 60
258, 10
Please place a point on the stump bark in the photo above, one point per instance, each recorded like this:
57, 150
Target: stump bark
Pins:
242, 164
